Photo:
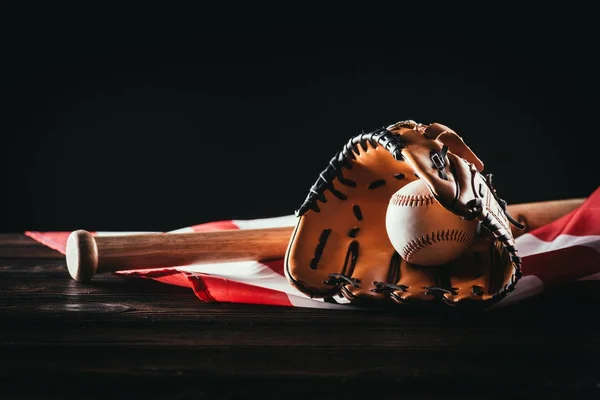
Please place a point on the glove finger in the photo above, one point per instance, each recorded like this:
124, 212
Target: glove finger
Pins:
454, 142
414, 283
322, 250
482, 274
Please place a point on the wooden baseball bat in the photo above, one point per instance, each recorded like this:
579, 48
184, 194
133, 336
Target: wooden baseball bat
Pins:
87, 255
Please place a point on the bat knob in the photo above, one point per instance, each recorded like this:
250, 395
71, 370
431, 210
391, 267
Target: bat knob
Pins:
81, 255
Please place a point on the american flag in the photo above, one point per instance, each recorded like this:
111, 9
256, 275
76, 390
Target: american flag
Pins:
566, 250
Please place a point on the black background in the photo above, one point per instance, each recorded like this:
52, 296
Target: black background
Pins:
156, 123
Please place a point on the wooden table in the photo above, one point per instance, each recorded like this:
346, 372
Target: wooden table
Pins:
122, 336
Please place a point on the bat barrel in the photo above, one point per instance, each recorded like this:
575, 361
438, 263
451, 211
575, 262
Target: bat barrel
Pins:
536, 214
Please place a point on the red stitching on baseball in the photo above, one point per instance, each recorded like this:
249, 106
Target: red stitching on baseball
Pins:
419, 243
410, 200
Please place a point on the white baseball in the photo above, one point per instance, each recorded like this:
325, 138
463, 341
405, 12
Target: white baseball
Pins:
422, 231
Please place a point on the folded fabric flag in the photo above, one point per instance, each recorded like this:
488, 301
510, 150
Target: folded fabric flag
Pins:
564, 251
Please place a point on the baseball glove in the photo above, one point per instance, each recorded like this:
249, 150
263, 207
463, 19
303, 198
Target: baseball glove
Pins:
340, 247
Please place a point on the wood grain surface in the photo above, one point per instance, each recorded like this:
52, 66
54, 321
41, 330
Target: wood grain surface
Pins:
134, 338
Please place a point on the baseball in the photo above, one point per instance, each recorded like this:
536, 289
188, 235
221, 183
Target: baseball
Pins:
422, 231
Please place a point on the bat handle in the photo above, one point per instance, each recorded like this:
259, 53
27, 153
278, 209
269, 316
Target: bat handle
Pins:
82, 255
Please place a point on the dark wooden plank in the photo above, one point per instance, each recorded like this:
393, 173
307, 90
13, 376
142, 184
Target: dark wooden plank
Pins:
117, 336
19, 246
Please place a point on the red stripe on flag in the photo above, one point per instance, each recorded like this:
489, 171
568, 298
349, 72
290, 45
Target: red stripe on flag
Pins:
168, 276
213, 289
563, 265
583, 221
275, 265
55, 240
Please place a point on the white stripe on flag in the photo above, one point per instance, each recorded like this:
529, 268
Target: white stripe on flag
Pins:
529, 244
275, 222
304, 301
593, 277
249, 272
187, 229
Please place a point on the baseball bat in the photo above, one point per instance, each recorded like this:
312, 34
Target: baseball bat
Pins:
87, 255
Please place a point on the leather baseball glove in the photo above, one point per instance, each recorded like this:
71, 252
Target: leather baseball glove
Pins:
340, 245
